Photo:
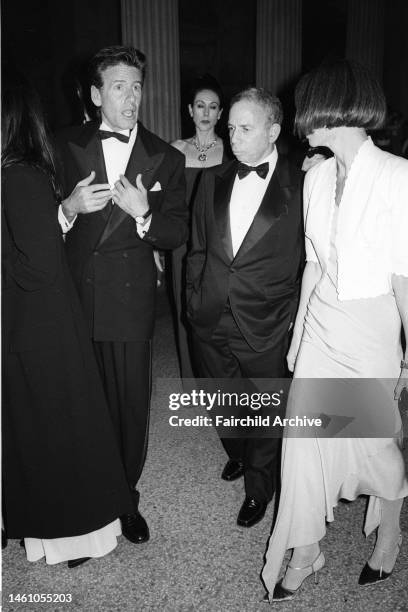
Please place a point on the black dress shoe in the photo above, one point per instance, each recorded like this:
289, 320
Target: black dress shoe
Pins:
232, 470
252, 511
135, 528
75, 562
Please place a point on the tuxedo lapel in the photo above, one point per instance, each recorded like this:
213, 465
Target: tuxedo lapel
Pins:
140, 162
222, 196
274, 204
88, 154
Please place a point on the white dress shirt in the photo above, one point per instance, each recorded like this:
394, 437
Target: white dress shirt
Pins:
246, 197
116, 155
372, 230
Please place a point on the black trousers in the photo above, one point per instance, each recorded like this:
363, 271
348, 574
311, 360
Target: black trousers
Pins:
125, 368
228, 355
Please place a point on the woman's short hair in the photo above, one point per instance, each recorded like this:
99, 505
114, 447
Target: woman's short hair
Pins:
339, 93
270, 103
113, 56
206, 81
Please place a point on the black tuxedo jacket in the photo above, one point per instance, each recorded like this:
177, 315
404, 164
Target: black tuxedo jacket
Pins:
262, 281
112, 266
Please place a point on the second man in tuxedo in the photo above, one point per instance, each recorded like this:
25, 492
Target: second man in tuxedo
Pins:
124, 196
243, 276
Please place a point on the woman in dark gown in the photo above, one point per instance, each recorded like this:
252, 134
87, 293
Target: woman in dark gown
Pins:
203, 150
63, 482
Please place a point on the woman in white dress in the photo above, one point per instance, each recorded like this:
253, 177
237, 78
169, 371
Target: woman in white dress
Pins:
353, 304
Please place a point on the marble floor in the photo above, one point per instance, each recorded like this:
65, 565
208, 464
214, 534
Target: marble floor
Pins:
198, 559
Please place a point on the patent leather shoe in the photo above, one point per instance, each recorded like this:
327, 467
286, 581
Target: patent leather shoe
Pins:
372, 576
134, 528
232, 470
252, 511
75, 562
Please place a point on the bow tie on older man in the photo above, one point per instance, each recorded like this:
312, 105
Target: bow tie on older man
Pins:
103, 134
261, 170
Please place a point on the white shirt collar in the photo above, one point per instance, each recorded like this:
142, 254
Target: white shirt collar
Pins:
272, 158
131, 133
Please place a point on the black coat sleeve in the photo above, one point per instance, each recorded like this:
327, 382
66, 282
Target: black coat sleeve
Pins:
30, 217
197, 254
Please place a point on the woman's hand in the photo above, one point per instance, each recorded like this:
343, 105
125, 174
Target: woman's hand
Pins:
293, 351
400, 287
401, 384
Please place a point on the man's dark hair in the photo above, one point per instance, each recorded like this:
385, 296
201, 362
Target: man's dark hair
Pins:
271, 104
112, 56
339, 93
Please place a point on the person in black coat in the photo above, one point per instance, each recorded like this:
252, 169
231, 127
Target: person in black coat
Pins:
136, 205
243, 273
203, 150
62, 474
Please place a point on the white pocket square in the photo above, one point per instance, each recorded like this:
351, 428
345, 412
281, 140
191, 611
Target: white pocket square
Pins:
156, 187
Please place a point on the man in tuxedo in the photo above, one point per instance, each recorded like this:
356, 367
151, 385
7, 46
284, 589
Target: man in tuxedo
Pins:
243, 276
125, 196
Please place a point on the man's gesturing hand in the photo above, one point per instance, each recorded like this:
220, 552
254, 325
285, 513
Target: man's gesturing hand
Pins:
86, 198
132, 200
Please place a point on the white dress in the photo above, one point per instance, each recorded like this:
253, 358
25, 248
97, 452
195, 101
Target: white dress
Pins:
342, 339
95, 544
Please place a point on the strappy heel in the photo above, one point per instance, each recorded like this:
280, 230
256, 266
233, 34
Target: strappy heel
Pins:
372, 576
280, 593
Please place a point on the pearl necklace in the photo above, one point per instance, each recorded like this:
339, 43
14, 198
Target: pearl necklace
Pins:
202, 149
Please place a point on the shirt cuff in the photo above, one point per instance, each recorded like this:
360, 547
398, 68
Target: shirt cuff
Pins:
63, 221
143, 229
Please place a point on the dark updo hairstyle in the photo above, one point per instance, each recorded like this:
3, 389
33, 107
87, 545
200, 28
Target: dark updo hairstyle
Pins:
24, 134
113, 56
206, 81
339, 93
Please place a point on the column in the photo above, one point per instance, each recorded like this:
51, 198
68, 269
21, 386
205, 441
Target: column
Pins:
279, 43
365, 34
152, 27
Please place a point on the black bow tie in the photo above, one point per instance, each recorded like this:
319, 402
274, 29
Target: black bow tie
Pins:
103, 134
261, 170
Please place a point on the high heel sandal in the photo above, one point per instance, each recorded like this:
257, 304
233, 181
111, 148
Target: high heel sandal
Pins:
371, 576
280, 593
